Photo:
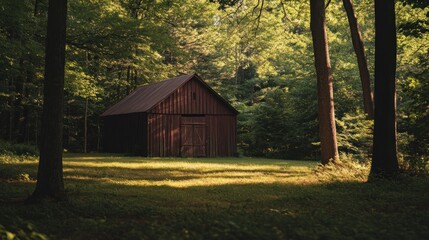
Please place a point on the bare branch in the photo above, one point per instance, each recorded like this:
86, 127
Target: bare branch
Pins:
327, 4
284, 11
259, 16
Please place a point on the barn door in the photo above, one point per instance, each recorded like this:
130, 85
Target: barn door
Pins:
193, 139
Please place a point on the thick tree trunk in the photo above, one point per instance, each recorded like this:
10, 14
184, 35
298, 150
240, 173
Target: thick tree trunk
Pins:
325, 95
368, 103
384, 159
50, 183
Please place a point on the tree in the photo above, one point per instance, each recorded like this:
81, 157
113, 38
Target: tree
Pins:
50, 183
357, 41
325, 95
384, 158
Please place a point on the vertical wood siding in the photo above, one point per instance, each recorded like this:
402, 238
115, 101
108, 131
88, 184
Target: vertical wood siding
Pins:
163, 135
192, 98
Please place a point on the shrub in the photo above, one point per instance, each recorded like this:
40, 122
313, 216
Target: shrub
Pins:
18, 149
354, 135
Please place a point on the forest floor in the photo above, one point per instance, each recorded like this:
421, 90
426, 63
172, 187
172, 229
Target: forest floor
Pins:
116, 197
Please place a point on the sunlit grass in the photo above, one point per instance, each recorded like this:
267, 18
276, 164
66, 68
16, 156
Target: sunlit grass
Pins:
182, 173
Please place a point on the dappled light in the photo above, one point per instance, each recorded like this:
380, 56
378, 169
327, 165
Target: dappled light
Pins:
181, 174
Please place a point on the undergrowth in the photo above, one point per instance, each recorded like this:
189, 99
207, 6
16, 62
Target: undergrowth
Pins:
7, 148
346, 169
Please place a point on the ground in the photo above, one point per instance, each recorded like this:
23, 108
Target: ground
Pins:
116, 197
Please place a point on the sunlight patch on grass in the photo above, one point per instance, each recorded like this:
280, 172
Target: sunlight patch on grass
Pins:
207, 181
200, 166
182, 174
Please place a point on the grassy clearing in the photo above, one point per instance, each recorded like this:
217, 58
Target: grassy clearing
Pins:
115, 197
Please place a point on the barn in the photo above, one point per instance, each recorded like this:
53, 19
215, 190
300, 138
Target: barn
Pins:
177, 117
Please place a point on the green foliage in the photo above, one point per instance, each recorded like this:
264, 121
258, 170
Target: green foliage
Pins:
354, 135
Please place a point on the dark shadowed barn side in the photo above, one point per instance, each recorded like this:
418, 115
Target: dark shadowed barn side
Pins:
178, 117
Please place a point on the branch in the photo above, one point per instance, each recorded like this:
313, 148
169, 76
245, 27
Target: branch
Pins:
259, 15
327, 4
284, 11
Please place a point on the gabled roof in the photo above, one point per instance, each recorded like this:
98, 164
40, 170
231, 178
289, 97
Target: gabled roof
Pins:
146, 97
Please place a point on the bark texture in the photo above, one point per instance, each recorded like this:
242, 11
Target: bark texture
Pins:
384, 158
325, 95
357, 41
50, 183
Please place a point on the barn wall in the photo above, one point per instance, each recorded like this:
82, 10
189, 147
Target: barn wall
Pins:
164, 134
192, 98
222, 135
125, 133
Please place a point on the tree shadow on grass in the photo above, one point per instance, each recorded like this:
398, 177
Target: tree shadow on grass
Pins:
112, 206
338, 210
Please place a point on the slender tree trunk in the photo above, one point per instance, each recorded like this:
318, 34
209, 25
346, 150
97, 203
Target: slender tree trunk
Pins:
368, 103
128, 79
118, 87
98, 136
11, 110
384, 159
325, 94
50, 182
36, 7
25, 127
86, 127
135, 78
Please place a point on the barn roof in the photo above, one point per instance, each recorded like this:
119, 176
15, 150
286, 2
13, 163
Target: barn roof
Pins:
146, 97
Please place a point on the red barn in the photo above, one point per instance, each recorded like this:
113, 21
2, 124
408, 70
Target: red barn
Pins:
178, 117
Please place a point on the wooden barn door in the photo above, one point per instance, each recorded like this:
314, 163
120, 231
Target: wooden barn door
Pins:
193, 136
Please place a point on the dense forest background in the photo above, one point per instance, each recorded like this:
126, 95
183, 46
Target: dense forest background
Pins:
259, 57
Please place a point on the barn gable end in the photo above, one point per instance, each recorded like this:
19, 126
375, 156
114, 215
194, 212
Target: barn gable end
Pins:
194, 97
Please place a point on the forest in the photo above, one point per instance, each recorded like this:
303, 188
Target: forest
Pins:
260, 58
268, 58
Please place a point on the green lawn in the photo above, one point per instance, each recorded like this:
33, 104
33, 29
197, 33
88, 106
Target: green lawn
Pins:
115, 197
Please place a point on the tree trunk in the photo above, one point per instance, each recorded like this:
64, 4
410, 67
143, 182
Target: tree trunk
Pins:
128, 79
36, 8
135, 78
86, 127
50, 183
325, 95
98, 136
368, 103
12, 107
384, 159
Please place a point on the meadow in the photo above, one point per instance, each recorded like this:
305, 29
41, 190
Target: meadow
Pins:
118, 197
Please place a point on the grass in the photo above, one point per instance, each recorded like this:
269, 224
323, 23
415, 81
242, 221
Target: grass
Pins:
116, 197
